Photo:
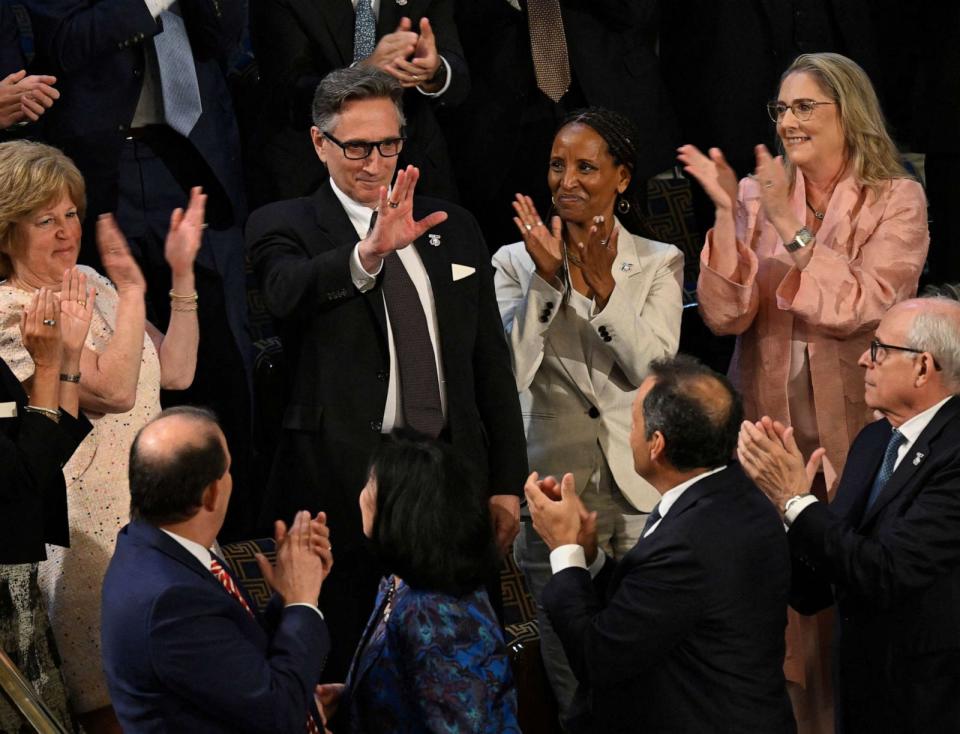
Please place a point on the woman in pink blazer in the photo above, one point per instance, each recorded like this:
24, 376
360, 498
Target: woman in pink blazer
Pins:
804, 258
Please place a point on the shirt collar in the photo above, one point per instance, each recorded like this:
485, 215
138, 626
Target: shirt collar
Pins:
193, 548
358, 213
912, 428
673, 494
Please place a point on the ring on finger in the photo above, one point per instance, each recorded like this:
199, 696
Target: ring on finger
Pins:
49, 322
528, 226
768, 184
604, 242
393, 204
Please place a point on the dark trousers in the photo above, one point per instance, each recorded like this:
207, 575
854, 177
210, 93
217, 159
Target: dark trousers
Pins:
157, 171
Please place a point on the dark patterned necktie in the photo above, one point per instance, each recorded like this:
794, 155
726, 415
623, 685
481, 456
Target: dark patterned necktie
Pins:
652, 520
182, 106
364, 30
548, 45
419, 384
886, 468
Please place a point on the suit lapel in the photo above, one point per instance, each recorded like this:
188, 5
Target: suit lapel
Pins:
336, 22
913, 459
335, 225
625, 266
436, 261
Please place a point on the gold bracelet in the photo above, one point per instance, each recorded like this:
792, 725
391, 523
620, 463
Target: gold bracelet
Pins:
50, 413
185, 308
177, 297
64, 377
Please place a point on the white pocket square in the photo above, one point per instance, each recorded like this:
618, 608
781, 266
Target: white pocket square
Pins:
462, 271
8, 410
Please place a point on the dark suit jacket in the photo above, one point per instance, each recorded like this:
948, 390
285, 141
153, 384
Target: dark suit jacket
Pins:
895, 575
33, 495
611, 47
685, 634
297, 43
11, 55
336, 342
95, 49
182, 655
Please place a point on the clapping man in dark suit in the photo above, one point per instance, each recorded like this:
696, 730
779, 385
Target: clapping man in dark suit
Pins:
685, 633
183, 650
389, 319
887, 549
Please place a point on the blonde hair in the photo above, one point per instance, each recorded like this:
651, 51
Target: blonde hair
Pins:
32, 175
868, 146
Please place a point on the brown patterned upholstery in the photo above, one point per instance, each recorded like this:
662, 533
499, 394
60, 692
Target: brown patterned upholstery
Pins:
243, 563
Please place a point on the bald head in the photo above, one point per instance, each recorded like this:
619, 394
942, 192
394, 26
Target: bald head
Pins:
173, 460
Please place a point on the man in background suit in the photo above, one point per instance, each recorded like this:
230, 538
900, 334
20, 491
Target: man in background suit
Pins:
22, 98
298, 42
183, 649
887, 549
146, 115
686, 632
599, 53
386, 324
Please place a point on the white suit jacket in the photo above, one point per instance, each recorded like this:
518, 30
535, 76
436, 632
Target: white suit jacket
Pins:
572, 401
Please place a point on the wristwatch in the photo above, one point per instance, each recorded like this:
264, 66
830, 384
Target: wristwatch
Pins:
803, 238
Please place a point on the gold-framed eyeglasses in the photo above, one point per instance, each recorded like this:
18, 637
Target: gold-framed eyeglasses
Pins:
876, 345
802, 109
356, 150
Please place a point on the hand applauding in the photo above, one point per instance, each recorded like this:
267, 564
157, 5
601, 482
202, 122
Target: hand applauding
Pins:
76, 313
115, 255
185, 234
545, 246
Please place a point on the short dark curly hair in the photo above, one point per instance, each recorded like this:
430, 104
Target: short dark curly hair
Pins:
432, 526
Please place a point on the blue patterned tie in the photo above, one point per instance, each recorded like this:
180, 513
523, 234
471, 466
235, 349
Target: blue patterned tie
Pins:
178, 75
364, 31
886, 468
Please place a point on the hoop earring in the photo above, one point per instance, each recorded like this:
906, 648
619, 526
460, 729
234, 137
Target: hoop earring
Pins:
623, 206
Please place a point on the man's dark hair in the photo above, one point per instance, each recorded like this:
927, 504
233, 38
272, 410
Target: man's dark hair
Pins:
432, 526
168, 487
349, 84
697, 411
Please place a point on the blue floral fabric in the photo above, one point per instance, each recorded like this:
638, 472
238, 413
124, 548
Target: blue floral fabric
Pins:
438, 664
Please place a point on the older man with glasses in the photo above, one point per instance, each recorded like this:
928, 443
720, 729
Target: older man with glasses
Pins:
388, 316
887, 549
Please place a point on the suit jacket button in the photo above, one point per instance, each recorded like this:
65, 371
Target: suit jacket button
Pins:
608, 338
543, 319
549, 304
382, 376
376, 426
602, 331
593, 412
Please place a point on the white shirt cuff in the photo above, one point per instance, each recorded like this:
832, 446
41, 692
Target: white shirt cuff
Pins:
572, 556
314, 607
157, 6
446, 84
363, 280
796, 508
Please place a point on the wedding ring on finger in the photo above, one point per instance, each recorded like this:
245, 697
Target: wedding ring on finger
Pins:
83, 304
49, 322
604, 242
393, 204
528, 227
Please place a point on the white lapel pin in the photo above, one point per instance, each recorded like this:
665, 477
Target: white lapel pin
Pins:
433, 239
626, 267
917, 459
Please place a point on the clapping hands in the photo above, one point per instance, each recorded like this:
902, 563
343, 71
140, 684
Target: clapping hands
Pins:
185, 234
713, 173
117, 260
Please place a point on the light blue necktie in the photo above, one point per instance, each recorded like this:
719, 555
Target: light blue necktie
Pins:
886, 468
364, 31
178, 75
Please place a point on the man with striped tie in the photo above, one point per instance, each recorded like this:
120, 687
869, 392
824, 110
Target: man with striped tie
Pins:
183, 648
886, 550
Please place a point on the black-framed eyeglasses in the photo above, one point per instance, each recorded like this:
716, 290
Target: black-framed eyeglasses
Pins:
802, 109
876, 345
356, 150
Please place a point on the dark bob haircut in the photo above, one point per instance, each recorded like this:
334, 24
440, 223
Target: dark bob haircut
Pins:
696, 409
432, 526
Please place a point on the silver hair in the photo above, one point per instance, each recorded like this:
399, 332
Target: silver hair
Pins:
349, 84
937, 331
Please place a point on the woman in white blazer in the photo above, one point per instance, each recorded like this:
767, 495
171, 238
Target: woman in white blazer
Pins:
586, 306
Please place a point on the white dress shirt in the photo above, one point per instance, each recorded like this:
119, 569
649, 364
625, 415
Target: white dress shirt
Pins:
573, 556
204, 556
911, 430
360, 218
